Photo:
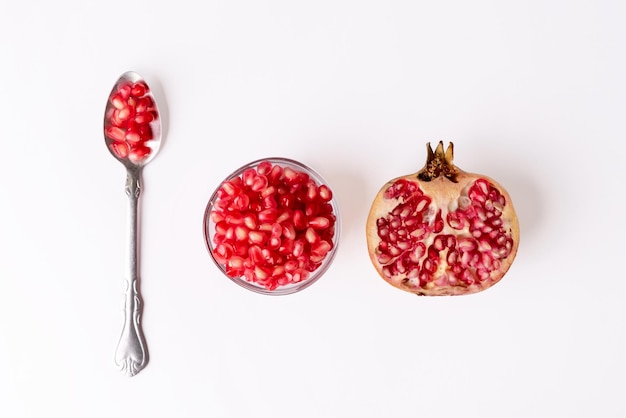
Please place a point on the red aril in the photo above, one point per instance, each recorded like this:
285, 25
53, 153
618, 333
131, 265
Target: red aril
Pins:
259, 218
115, 133
119, 149
442, 231
138, 152
139, 89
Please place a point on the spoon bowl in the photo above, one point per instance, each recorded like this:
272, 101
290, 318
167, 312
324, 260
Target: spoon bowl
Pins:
132, 124
132, 132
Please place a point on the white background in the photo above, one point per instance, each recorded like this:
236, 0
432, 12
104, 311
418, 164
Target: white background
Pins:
532, 93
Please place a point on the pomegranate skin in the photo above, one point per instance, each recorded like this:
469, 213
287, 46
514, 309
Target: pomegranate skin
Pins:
442, 231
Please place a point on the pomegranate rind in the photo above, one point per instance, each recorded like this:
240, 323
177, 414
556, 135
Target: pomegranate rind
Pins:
442, 192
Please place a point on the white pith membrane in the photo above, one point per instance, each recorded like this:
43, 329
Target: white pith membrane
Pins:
467, 258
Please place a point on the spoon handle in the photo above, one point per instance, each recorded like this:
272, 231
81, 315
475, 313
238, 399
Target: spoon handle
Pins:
131, 354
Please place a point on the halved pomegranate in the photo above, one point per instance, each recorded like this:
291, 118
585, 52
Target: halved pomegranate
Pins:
442, 231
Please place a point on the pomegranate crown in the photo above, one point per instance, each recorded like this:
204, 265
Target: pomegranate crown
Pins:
439, 163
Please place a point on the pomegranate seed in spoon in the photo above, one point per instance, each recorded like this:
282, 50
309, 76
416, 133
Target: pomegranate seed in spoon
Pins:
128, 121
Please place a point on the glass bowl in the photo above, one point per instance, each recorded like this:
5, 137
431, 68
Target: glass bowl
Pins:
273, 226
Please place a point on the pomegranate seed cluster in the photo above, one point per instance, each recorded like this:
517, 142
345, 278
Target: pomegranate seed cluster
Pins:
462, 248
128, 121
274, 225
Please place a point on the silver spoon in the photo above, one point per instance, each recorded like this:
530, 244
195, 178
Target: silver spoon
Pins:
132, 131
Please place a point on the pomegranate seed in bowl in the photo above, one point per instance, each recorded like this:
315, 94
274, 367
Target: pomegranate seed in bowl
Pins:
272, 226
